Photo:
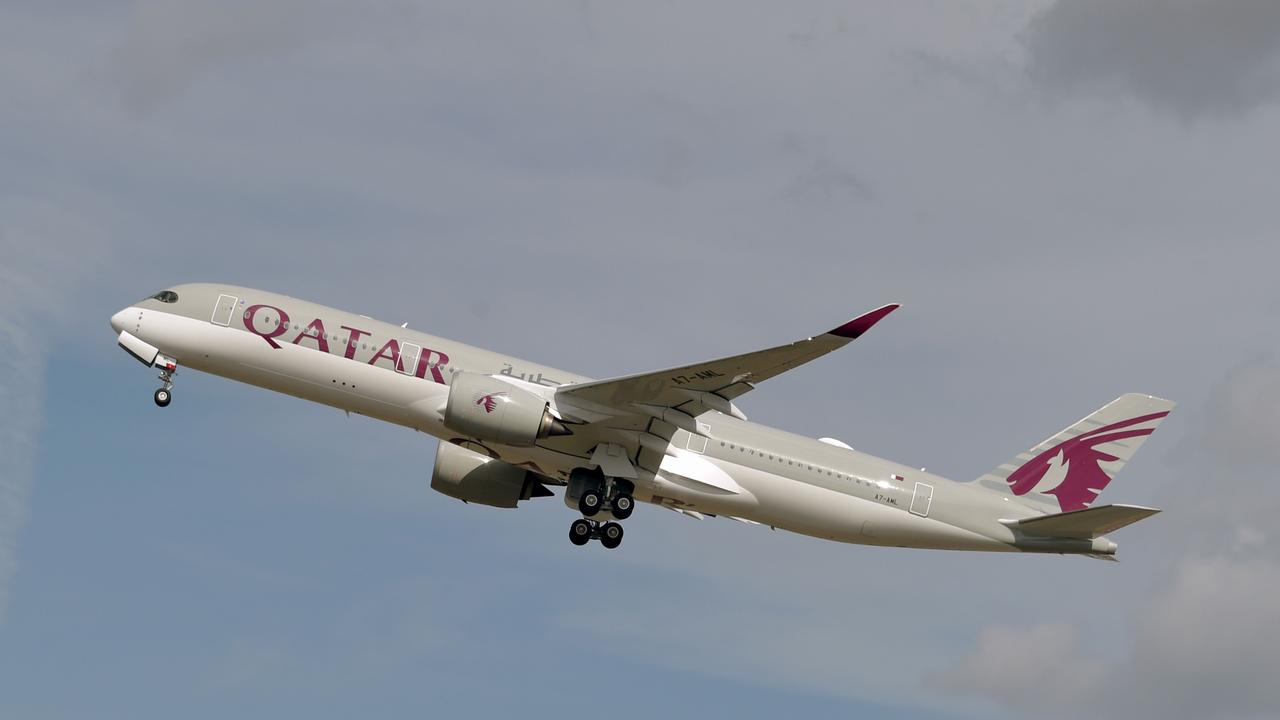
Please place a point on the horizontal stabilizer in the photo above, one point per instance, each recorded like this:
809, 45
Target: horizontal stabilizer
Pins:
1082, 524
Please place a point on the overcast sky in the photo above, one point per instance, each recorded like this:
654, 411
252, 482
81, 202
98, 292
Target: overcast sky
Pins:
1072, 198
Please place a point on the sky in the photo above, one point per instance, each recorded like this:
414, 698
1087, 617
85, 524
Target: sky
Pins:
1073, 199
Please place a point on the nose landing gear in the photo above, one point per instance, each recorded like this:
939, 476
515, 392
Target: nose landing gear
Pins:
168, 366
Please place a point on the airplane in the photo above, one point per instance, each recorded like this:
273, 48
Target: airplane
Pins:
510, 430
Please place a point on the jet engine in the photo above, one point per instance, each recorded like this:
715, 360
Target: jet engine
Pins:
491, 410
474, 478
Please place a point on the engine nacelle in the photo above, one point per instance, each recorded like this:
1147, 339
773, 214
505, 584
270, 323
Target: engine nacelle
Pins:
474, 478
485, 408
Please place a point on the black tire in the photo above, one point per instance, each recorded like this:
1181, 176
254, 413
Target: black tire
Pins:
611, 535
590, 502
580, 532
163, 397
623, 506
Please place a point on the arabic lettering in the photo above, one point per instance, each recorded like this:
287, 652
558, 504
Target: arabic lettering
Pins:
535, 378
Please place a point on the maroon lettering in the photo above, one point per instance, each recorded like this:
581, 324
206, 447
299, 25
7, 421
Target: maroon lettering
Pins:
431, 360
352, 338
314, 331
391, 351
278, 325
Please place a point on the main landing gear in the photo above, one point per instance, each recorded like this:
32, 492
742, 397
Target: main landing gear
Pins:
602, 494
621, 506
583, 531
168, 366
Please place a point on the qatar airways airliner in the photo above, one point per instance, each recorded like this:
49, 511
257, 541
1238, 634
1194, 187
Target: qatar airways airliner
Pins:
511, 430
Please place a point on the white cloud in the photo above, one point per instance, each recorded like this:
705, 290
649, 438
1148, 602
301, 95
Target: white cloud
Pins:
1203, 646
20, 384
1206, 645
1034, 670
41, 248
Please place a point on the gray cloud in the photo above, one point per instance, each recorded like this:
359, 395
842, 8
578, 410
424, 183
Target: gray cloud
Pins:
826, 182
1245, 422
171, 44
1194, 57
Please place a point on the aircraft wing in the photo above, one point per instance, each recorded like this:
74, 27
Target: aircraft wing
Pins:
711, 385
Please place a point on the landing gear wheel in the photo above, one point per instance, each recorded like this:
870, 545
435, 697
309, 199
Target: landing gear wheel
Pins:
623, 505
590, 503
611, 535
580, 532
168, 366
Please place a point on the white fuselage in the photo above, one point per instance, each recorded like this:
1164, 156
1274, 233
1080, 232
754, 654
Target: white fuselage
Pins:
401, 376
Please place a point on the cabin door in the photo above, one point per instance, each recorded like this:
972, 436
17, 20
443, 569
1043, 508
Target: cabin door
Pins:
224, 309
922, 499
408, 358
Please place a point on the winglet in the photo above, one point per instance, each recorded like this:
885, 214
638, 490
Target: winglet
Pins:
859, 325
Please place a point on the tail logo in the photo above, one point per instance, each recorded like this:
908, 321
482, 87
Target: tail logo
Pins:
489, 402
1072, 470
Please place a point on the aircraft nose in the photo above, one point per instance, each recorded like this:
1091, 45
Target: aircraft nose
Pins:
118, 320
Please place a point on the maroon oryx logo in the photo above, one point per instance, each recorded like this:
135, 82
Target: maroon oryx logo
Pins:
489, 402
1080, 462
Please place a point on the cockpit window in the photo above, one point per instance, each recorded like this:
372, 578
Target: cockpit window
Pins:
166, 296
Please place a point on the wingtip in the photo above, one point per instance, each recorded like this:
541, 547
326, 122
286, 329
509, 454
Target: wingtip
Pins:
1162, 400
856, 327
1139, 508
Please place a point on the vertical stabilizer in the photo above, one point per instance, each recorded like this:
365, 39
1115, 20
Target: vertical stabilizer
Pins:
1069, 470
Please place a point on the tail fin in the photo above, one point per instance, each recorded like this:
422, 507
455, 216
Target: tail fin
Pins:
1069, 470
